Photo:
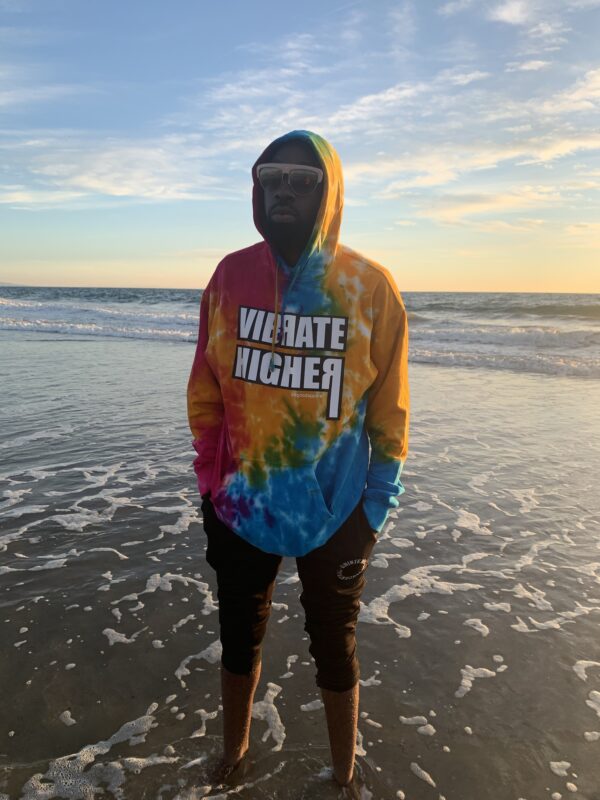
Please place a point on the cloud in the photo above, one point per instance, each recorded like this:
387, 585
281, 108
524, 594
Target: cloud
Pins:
454, 7
370, 106
37, 94
403, 22
296, 50
513, 12
435, 128
253, 85
584, 95
525, 128
550, 34
24, 196
352, 28
527, 66
76, 171
583, 228
383, 106
548, 148
524, 225
540, 22
23, 85
459, 49
575, 5
424, 168
154, 171
584, 235
456, 77
452, 209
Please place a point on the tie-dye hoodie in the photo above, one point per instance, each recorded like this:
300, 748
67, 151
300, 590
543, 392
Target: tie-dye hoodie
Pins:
297, 371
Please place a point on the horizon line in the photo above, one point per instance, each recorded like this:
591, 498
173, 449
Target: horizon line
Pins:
201, 289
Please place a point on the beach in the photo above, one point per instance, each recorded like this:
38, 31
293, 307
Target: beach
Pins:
478, 634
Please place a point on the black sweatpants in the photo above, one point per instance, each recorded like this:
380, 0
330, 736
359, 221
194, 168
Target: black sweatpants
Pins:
332, 579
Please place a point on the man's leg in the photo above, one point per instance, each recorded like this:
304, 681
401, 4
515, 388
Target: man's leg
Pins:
332, 581
237, 692
245, 580
341, 711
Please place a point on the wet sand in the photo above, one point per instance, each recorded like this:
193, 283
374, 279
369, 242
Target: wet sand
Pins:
478, 635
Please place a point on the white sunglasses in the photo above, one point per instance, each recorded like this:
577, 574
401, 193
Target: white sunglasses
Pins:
302, 180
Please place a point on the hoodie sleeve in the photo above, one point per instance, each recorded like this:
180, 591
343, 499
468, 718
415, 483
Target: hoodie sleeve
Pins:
204, 399
387, 404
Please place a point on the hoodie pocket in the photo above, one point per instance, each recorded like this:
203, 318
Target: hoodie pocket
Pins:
223, 463
317, 503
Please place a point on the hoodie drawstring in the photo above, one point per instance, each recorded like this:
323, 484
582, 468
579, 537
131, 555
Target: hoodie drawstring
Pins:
272, 362
297, 270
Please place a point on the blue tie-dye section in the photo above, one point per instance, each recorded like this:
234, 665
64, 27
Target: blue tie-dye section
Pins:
276, 522
304, 292
383, 488
336, 468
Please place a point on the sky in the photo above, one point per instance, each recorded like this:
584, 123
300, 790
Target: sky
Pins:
469, 133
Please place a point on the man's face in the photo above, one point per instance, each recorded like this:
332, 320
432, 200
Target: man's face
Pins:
285, 212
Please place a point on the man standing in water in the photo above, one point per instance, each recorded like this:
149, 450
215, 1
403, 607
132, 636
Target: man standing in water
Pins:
298, 403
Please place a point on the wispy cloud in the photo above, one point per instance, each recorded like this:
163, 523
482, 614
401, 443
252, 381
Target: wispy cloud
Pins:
155, 171
25, 197
371, 106
436, 128
454, 7
548, 34
423, 168
583, 95
403, 22
523, 225
455, 76
77, 171
527, 66
584, 234
453, 209
23, 85
582, 4
26, 95
513, 12
541, 23
352, 28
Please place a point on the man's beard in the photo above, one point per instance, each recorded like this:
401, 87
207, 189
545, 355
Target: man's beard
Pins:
286, 235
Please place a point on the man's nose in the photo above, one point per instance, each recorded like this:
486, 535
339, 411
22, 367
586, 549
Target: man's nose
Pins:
284, 188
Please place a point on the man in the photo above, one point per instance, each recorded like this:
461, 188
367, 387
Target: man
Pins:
301, 364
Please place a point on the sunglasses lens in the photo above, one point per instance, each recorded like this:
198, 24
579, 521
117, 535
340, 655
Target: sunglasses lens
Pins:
303, 181
270, 178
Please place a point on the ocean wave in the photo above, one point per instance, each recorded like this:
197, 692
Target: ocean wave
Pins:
550, 333
502, 336
585, 307
11, 302
94, 330
526, 362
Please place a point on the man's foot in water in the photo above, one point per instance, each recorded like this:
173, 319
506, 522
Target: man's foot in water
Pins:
357, 788
218, 771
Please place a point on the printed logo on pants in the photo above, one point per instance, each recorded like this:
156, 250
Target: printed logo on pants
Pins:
351, 569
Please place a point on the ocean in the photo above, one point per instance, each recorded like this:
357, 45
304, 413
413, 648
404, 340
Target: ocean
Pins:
478, 633
541, 333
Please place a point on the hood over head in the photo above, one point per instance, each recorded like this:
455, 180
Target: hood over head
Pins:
323, 241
